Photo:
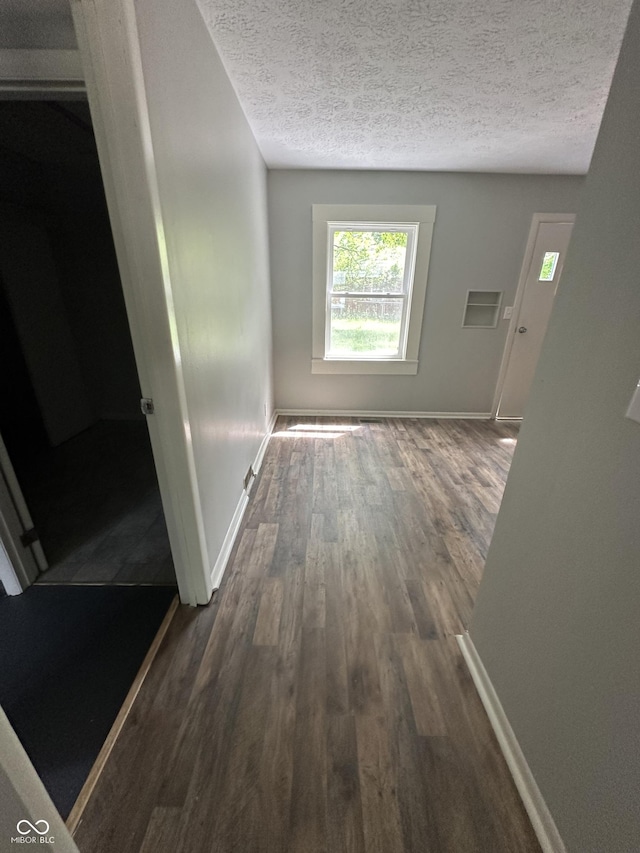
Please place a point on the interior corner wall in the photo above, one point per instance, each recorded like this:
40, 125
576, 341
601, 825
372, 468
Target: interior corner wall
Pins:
481, 230
556, 621
212, 191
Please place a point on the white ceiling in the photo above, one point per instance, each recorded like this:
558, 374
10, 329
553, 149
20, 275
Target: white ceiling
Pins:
465, 85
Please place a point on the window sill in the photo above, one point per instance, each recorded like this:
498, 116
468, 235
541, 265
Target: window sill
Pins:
364, 366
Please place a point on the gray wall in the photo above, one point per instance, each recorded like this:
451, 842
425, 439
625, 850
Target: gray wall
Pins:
557, 620
482, 225
212, 188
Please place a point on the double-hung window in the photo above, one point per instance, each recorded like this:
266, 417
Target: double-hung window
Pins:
369, 283
370, 278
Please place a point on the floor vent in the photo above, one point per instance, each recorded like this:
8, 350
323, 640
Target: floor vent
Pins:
370, 420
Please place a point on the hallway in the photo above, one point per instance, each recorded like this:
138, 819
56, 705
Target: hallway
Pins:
320, 703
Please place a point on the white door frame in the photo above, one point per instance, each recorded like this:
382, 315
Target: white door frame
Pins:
109, 52
25, 797
19, 564
537, 220
40, 74
8, 575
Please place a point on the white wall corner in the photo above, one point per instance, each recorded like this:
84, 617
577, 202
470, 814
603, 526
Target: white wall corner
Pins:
541, 819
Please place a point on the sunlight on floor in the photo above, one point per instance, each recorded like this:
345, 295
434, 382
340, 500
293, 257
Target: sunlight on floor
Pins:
325, 427
316, 431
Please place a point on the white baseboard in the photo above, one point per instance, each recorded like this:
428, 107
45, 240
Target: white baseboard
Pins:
263, 446
229, 540
361, 413
539, 814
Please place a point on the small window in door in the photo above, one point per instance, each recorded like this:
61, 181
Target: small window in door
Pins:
549, 264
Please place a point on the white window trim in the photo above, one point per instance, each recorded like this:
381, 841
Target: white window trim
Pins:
325, 214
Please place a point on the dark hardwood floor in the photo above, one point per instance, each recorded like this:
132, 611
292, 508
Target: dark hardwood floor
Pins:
320, 703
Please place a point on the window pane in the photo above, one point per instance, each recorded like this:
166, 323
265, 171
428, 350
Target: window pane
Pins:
369, 261
365, 327
548, 268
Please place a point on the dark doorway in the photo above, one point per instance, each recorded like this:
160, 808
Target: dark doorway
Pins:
69, 390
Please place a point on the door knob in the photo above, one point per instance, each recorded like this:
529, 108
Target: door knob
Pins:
522, 329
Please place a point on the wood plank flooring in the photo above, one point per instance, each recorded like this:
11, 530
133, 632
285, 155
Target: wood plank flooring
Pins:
320, 703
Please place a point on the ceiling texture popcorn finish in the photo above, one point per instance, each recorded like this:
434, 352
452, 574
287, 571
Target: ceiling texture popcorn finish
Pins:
464, 85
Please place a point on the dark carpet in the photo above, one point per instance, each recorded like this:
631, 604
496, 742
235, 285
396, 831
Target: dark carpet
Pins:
68, 656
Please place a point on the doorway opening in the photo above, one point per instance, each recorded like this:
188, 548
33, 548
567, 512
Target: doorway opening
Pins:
79, 493
69, 407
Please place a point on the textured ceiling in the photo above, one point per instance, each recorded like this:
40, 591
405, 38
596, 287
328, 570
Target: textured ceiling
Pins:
473, 85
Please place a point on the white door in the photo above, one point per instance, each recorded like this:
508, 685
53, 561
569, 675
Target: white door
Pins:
541, 273
21, 555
